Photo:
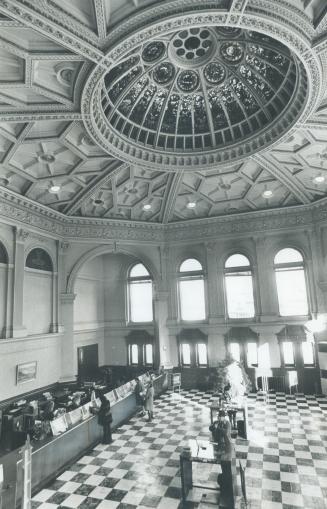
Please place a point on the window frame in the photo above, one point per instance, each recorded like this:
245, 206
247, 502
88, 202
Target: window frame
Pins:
130, 355
237, 270
284, 364
314, 359
145, 363
285, 267
243, 351
191, 275
198, 364
141, 354
135, 280
183, 364
194, 356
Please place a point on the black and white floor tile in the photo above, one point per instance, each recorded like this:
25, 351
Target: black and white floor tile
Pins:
285, 458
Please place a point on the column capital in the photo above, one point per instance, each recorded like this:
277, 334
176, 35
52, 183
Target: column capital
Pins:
267, 328
211, 246
67, 298
63, 247
161, 295
21, 235
260, 242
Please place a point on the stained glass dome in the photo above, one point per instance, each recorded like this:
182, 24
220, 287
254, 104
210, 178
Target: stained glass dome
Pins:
202, 90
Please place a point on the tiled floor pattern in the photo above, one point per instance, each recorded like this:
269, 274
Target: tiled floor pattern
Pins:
285, 458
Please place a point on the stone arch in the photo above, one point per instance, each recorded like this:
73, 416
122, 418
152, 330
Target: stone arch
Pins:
101, 250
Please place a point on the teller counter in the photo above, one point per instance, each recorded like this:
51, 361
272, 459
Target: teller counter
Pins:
53, 455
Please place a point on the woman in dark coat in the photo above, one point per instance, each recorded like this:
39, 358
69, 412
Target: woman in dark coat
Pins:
105, 419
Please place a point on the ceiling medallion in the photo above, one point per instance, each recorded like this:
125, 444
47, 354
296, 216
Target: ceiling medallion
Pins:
153, 51
47, 158
192, 47
65, 73
188, 81
198, 96
163, 73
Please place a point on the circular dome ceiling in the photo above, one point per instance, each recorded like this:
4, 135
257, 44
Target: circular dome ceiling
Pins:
215, 94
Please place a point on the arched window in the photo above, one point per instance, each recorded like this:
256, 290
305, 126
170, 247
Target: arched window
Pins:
191, 290
140, 294
239, 287
39, 259
290, 281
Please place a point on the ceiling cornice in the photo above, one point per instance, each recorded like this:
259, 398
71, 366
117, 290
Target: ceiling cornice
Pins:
55, 25
18, 211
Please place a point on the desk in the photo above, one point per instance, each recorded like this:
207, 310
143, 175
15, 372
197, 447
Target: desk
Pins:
215, 407
202, 451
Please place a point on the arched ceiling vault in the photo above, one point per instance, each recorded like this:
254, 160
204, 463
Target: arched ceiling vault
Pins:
195, 109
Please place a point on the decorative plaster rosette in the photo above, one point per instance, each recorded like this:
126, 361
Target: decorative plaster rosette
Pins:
191, 93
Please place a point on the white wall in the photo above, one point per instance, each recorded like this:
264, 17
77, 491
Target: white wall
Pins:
89, 301
45, 350
37, 314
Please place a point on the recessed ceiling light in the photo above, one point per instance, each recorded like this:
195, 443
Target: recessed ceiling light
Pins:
225, 186
4, 181
319, 179
54, 189
267, 194
98, 201
191, 205
147, 206
47, 158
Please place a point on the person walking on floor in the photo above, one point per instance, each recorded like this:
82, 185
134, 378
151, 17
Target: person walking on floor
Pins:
148, 404
105, 419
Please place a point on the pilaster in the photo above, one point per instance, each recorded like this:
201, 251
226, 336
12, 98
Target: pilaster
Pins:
18, 329
62, 248
162, 346
266, 282
214, 302
268, 347
68, 357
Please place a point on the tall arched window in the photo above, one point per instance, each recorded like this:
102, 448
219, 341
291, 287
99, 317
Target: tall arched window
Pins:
191, 290
291, 285
239, 287
140, 294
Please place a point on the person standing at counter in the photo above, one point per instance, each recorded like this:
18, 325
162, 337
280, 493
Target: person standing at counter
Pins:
105, 419
139, 394
148, 404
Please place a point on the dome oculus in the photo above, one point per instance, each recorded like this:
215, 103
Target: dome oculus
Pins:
208, 90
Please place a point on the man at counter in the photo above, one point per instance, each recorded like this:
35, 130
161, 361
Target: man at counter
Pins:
139, 394
105, 419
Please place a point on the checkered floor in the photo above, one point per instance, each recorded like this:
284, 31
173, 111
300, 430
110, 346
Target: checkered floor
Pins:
285, 458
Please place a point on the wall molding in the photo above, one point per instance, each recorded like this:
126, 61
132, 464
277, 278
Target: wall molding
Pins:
23, 212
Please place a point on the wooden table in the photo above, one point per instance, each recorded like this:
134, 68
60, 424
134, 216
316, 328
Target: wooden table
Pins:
203, 451
243, 409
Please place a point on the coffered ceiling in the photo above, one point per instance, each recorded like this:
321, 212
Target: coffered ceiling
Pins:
51, 150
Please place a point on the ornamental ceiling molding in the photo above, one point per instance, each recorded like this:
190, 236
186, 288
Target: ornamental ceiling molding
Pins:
293, 29
25, 213
60, 28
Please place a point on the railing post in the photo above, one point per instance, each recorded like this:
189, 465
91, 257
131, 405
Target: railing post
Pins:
27, 475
